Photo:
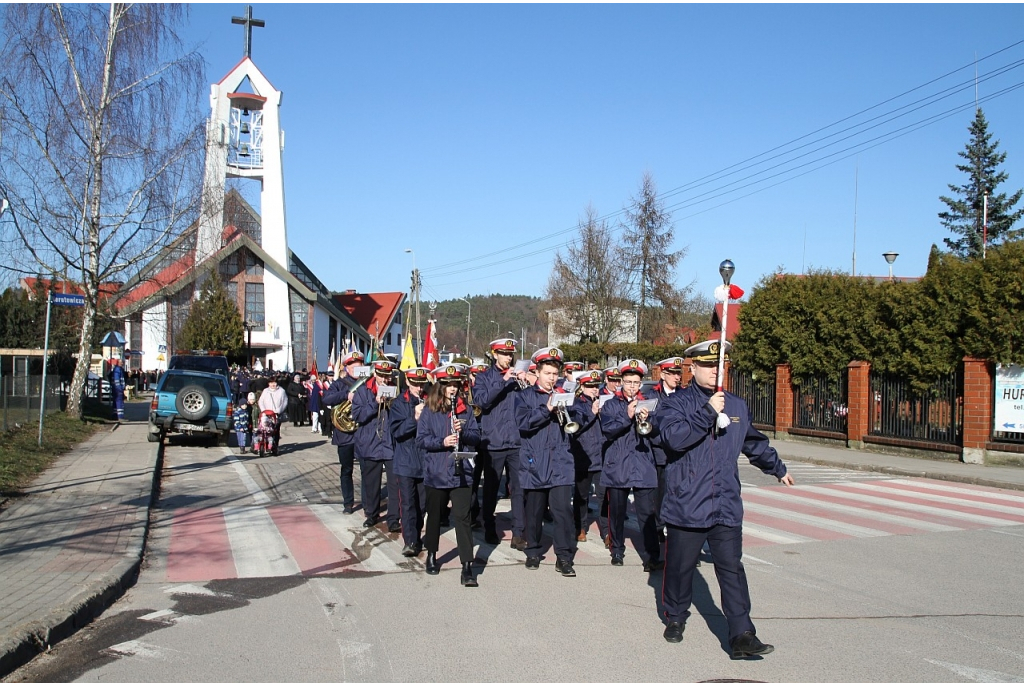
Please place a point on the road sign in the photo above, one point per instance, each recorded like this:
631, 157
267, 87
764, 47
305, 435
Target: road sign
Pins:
162, 349
1009, 398
67, 300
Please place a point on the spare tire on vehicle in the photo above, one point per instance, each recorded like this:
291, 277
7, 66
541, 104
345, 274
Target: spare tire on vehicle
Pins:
193, 402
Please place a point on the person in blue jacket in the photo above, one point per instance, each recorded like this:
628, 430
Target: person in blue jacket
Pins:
445, 429
702, 495
374, 447
403, 421
117, 383
495, 392
629, 466
671, 377
340, 391
547, 473
587, 446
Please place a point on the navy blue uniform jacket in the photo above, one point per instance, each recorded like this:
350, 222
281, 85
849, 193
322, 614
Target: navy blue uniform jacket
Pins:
588, 442
335, 395
438, 465
544, 457
628, 459
702, 481
364, 412
656, 446
496, 398
402, 424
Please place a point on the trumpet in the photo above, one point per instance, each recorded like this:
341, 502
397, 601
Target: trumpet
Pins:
643, 426
565, 421
389, 392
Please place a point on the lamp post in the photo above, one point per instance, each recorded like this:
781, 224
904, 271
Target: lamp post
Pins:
416, 300
497, 328
248, 325
890, 257
469, 317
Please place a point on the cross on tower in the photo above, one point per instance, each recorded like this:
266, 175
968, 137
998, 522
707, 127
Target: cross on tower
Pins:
248, 22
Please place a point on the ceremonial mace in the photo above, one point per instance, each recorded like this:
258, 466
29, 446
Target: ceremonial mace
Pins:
726, 268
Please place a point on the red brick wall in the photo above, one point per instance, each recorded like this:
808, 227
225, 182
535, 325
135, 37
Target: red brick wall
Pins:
783, 398
979, 377
858, 400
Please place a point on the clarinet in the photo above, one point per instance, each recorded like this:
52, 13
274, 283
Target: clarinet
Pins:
455, 431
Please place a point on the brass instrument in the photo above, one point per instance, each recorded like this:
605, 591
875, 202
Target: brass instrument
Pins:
382, 408
477, 411
565, 421
341, 415
644, 427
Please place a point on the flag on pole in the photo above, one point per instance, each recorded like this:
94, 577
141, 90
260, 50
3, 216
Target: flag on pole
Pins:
331, 362
313, 372
408, 355
430, 347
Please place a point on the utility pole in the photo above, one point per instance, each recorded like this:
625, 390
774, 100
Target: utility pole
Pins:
415, 290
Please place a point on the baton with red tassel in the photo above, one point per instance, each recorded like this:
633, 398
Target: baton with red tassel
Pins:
723, 294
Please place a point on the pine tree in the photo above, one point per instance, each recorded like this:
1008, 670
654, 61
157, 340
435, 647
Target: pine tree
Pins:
965, 217
214, 322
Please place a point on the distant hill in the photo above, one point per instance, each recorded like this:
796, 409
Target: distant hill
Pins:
511, 312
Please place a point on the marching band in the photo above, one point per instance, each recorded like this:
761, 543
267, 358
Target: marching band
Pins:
559, 435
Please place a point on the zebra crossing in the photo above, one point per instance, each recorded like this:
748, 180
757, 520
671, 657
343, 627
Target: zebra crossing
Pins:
252, 540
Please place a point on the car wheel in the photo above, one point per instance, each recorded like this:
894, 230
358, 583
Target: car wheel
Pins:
193, 402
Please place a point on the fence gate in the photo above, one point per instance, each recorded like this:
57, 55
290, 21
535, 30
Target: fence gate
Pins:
821, 404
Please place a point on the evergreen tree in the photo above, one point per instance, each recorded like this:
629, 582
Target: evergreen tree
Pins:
213, 322
965, 216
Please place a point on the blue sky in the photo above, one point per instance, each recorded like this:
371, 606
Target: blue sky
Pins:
464, 130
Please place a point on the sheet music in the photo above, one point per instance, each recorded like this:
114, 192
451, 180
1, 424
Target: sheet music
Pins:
363, 371
522, 365
603, 400
564, 398
649, 405
570, 386
387, 391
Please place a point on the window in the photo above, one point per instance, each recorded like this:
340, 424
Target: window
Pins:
253, 266
180, 304
387, 338
300, 329
231, 288
254, 308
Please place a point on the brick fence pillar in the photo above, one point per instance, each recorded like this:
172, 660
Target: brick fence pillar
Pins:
858, 402
725, 377
978, 383
783, 399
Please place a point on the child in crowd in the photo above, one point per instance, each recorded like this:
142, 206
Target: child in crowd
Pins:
243, 422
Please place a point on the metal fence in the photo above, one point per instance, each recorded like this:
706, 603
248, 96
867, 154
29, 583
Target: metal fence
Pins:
821, 404
19, 403
759, 395
934, 414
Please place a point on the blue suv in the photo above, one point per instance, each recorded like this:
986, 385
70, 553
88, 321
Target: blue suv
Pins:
193, 403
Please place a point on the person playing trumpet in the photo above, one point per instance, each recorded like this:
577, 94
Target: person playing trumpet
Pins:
445, 425
612, 381
568, 369
587, 446
548, 473
374, 447
403, 421
340, 391
629, 465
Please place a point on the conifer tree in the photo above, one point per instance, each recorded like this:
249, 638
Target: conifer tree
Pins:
965, 216
214, 322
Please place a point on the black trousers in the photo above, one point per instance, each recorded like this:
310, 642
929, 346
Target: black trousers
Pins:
682, 549
560, 500
372, 473
413, 496
436, 502
494, 463
658, 523
581, 502
346, 457
643, 502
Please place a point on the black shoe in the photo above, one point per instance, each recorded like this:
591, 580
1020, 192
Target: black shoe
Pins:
518, 543
467, 578
432, 568
616, 560
565, 568
747, 645
394, 527
674, 632
491, 537
370, 522
348, 510
532, 563
408, 551
651, 566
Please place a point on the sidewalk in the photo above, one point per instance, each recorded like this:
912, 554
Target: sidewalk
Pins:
74, 544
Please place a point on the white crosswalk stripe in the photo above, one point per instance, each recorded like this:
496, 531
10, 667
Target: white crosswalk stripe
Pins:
257, 547
909, 506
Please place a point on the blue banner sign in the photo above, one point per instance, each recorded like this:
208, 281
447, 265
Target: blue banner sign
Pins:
68, 300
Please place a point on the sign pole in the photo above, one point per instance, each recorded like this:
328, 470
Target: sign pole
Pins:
46, 356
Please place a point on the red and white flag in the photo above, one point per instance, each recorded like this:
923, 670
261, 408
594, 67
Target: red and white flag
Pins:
430, 347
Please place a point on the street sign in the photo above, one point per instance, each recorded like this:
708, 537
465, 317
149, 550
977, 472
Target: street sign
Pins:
138, 353
67, 300
1009, 398
162, 349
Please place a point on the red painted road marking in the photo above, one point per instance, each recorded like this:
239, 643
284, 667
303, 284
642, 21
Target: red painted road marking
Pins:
807, 530
980, 497
810, 509
199, 547
314, 548
893, 511
910, 499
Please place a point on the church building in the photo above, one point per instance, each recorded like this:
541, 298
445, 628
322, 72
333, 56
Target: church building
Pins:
290, 316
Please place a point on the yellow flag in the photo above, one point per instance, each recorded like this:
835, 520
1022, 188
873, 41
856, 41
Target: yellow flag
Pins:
408, 355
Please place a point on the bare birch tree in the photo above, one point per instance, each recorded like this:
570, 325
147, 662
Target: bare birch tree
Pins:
586, 289
101, 141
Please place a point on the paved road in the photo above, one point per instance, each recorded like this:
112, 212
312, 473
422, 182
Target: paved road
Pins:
254, 573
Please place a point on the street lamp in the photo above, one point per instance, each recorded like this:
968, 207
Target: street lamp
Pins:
497, 328
469, 317
890, 257
248, 325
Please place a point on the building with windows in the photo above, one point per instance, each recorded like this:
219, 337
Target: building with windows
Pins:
290, 316
380, 314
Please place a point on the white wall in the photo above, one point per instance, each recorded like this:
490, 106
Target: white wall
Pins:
154, 334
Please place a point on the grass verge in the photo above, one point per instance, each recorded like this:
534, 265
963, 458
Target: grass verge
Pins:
22, 459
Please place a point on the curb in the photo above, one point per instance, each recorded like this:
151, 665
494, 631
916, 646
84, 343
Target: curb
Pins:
34, 637
912, 473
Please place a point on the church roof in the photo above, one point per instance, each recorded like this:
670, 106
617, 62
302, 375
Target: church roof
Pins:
373, 311
106, 289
